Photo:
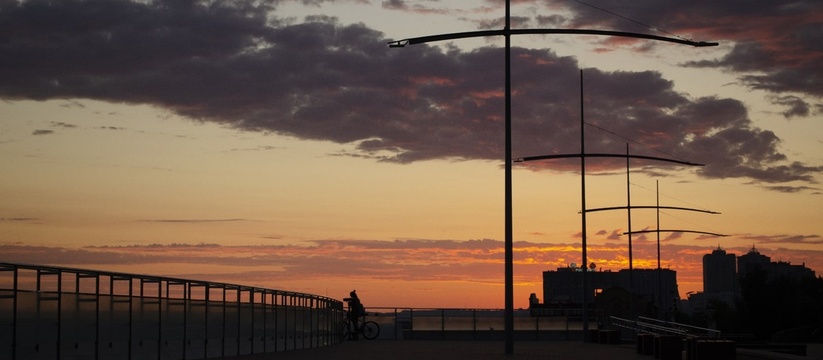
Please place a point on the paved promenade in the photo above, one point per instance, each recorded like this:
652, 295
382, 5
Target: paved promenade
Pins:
457, 350
490, 350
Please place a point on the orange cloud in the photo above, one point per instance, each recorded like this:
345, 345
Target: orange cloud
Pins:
392, 272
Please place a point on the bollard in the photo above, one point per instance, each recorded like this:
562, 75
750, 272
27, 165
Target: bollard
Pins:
645, 344
669, 347
594, 335
710, 349
610, 337
690, 341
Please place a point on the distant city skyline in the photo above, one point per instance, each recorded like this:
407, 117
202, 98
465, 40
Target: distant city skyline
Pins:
315, 277
285, 145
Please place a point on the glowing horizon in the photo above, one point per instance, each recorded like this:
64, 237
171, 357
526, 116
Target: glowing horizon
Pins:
284, 144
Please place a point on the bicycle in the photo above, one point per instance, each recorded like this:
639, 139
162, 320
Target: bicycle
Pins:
369, 329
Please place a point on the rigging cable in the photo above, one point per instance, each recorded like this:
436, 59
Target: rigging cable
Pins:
633, 141
630, 19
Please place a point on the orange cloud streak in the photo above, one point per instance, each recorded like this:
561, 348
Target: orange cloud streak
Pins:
410, 273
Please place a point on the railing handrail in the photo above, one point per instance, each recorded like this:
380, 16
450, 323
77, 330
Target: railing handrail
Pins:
119, 318
156, 278
467, 309
655, 324
680, 325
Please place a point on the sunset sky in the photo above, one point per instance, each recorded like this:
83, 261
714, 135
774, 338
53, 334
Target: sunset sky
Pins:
283, 144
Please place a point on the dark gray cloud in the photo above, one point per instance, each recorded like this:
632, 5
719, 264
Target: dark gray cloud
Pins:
794, 189
778, 45
42, 132
190, 221
795, 106
236, 64
426, 8
54, 124
785, 239
257, 148
61, 124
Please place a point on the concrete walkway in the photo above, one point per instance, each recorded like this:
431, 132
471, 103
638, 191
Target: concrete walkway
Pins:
457, 350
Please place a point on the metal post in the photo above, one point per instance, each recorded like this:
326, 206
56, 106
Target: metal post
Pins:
14, 315
160, 315
509, 291
474, 324
131, 315
223, 335
411, 327
239, 318
59, 313
293, 305
96, 316
186, 297
657, 185
206, 322
584, 266
315, 322
659, 279
265, 328
251, 323
629, 214
276, 315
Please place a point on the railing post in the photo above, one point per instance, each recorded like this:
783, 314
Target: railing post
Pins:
314, 323
160, 316
59, 313
96, 316
263, 294
252, 294
474, 324
223, 334
411, 326
239, 294
443, 324
206, 304
276, 322
131, 316
14, 316
396, 325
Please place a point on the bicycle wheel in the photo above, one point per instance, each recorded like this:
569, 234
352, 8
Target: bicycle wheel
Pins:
346, 330
370, 330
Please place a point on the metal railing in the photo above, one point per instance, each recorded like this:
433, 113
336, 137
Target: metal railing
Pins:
54, 312
662, 327
479, 324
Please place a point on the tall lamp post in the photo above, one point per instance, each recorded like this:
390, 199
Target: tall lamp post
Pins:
507, 32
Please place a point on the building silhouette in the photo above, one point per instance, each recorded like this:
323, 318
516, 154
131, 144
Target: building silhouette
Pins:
657, 288
720, 276
722, 273
754, 261
654, 292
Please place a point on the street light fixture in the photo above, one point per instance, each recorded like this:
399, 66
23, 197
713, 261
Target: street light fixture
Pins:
506, 32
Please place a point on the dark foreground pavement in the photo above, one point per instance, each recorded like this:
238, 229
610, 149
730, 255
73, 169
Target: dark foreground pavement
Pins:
456, 350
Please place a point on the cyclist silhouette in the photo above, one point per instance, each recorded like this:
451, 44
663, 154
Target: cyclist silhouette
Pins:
356, 323
356, 308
